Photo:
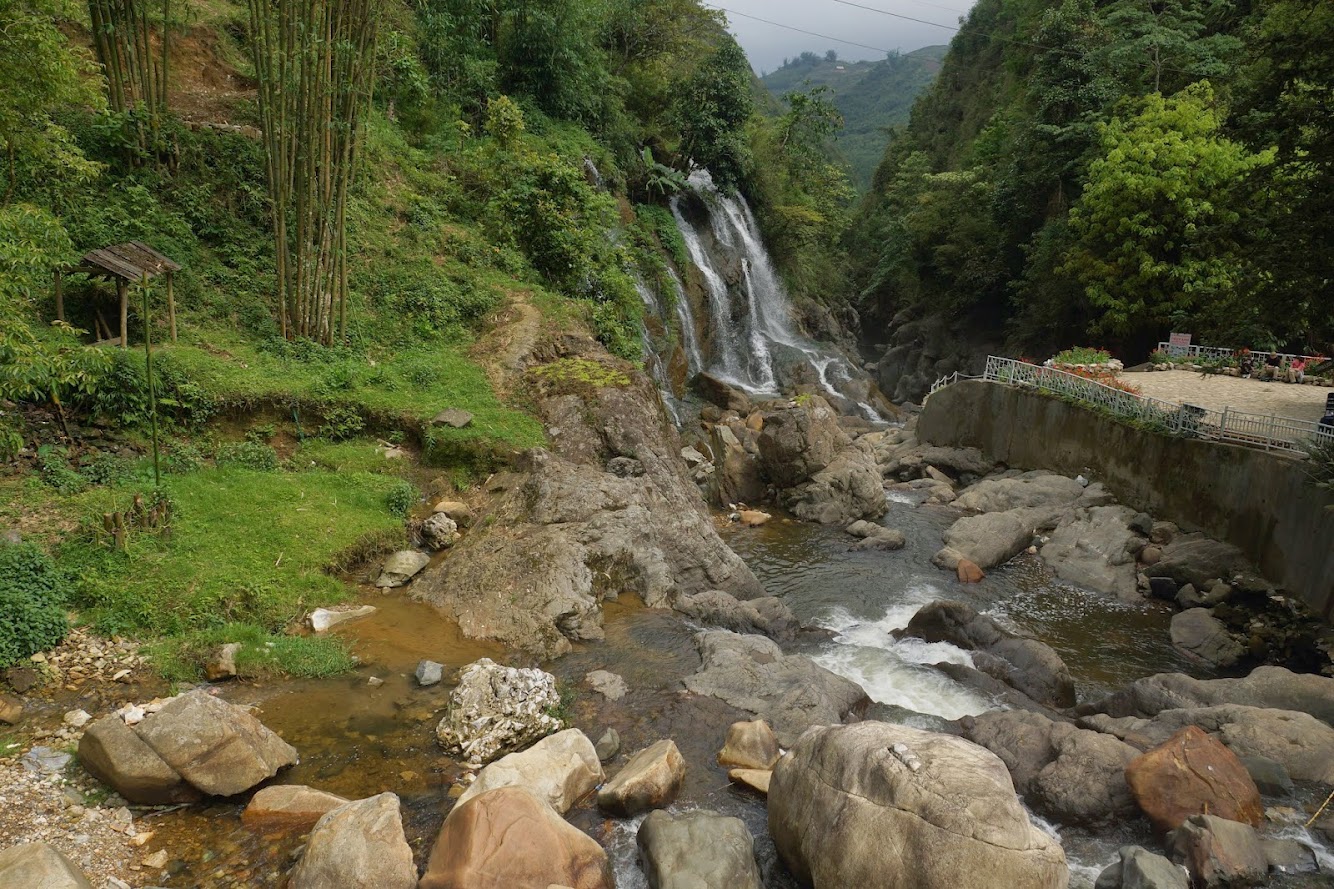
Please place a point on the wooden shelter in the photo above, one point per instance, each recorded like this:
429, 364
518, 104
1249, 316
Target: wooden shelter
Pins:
126, 264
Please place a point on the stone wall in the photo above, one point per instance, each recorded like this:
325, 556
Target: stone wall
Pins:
1262, 502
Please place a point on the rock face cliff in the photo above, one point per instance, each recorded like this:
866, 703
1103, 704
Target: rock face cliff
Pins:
607, 509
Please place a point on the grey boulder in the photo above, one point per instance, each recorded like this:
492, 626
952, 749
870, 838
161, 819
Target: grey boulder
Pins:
1197, 633
360, 845
697, 850
1141, 869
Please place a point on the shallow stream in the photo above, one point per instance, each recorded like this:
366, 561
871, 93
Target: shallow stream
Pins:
357, 739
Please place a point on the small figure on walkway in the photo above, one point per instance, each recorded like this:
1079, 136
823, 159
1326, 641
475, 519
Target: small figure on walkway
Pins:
1247, 364
1272, 366
1297, 370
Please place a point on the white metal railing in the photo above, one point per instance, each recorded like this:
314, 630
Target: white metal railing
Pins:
1256, 430
1209, 352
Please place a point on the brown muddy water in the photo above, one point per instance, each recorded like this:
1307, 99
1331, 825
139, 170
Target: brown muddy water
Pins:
358, 740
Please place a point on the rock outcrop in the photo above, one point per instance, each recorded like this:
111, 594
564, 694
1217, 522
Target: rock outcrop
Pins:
697, 850
1219, 853
1266, 687
1141, 869
568, 533
790, 692
1094, 550
843, 792
360, 845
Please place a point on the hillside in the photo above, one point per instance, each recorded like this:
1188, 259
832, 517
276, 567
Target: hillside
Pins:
872, 97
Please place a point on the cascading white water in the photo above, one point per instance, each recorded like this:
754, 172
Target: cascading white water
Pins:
753, 344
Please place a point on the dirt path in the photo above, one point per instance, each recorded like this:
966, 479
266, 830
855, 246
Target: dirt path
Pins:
504, 349
1219, 392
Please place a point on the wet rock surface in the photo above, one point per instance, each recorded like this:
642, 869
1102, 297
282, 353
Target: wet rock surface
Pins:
697, 850
948, 803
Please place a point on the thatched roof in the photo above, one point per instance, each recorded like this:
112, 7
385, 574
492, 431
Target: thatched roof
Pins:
131, 261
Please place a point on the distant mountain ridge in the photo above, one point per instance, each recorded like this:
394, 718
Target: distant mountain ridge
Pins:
871, 95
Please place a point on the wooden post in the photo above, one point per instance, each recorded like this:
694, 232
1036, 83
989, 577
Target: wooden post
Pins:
123, 292
171, 307
60, 298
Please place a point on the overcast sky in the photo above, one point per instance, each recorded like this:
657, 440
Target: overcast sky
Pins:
767, 45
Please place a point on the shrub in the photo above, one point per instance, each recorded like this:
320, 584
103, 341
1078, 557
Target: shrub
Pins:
401, 498
248, 455
1082, 355
56, 470
341, 423
32, 595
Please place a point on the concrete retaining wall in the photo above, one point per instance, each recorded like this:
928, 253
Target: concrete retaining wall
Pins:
1262, 502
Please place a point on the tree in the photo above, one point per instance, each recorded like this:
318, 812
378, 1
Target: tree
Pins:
712, 110
1155, 229
315, 63
41, 73
1168, 42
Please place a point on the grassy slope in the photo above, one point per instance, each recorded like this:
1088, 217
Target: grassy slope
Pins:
872, 96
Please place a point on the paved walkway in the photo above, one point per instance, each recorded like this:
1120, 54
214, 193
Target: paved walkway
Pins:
1217, 392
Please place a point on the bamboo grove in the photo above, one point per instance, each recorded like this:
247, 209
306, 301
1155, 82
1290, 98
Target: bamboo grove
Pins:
314, 61
136, 69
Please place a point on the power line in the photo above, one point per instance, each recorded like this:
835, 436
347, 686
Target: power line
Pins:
799, 30
906, 18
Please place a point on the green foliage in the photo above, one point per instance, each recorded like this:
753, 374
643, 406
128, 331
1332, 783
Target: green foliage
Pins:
712, 110
1082, 355
41, 74
572, 374
402, 497
262, 654
56, 472
341, 423
1155, 239
252, 455
32, 597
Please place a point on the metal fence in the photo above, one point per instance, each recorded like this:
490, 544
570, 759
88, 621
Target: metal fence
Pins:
1213, 352
1238, 427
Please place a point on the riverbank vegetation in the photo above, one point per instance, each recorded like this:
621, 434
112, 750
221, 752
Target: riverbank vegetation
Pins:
1115, 171
334, 293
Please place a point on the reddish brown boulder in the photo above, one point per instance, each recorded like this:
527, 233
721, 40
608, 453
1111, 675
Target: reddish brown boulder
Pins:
506, 838
1193, 774
968, 572
289, 806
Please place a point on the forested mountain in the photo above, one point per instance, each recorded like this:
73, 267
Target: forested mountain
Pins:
1109, 171
872, 96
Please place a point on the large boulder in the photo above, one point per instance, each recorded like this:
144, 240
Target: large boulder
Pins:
884, 805
790, 692
1300, 743
736, 472
506, 838
1219, 853
1267, 687
561, 769
799, 441
358, 846
1029, 666
39, 866
293, 806
767, 615
114, 754
1190, 774
1138, 868
750, 745
650, 780
217, 747
697, 850
1031, 489
1093, 550
847, 489
1068, 774
993, 538
495, 709
1197, 633
720, 393
401, 567
1199, 560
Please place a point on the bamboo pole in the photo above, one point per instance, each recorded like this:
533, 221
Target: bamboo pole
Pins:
123, 291
171, 306
60, 297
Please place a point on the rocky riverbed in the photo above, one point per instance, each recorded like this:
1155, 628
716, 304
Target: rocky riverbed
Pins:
1002, 669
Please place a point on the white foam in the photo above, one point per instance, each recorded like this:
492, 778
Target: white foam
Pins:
623, 853
900, 497
895, 672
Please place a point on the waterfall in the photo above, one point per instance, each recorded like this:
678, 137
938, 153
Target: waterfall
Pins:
752, 343
652, 359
